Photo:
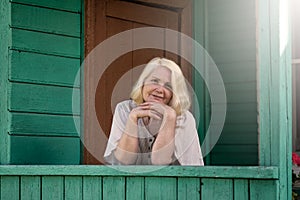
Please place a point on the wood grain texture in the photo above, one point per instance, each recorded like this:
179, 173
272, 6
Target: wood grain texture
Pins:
5, 38
44, 99
9, 187
43, 124
217, 189
44, 69
73, 188
188, 188
45, 43
71, 6
113, 188
135, 188
30, 187
45, 150
160, 190
264, 189
241, 189
45, 20
52, 187
92, 187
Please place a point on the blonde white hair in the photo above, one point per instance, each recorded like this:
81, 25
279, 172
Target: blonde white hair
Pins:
180, 101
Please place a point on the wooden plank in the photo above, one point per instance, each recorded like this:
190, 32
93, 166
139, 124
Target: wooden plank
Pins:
188, 188
215, 189
73, 188
152, 171
45, 20
45, 69
43, 124
72, 6
5, 38
165, 188
53, 187
113, 188
235, 154
45, 150
92, 188
241, 189
135, 188
44, 99
55, 44
264, 189
10, 187
168, 3
133, 12
30, 187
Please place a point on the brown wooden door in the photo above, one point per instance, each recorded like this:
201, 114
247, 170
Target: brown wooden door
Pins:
107, 18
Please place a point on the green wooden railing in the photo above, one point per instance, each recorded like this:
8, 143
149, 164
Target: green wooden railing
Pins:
138, 182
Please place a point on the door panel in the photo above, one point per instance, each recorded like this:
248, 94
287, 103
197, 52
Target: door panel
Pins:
115, 84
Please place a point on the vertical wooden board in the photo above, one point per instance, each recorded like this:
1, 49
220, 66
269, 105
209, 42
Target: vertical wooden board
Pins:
241, 189
73, 188
113, 188
30, 187
46, 20
188, 188
92, 188
160, 188
215, 189
264, 189
135, 188
45, 43
45, 150
52, 187
40, 68
44, 99
10, 186
73, 6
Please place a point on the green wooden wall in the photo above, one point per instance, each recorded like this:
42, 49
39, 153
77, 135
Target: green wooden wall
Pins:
101, 182
228, 33
42, 59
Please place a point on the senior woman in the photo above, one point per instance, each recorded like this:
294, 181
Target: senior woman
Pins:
155, 127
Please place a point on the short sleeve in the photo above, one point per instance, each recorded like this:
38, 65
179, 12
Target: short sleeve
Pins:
187, 146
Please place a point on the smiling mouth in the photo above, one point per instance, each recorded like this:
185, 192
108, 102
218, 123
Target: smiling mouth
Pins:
157, 97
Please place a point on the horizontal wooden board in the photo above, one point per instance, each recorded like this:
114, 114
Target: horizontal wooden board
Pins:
43, 99
45, 43
45, 69
72, 6
45, 20
239, 138
44, 150
43, 124
252, 172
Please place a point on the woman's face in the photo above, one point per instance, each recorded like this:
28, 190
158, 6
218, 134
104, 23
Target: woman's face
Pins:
157, 87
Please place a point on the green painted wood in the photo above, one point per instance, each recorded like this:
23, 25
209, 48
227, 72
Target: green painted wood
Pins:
264, 189
5, 39
72, 6
92, 187
44, 99
45, 69
10, 187
234, 154
73, 188
188, 188
141, 171
113, 188
241, 187
30, 187
155, 188
135, 188
45, 150
215, 189
45, 20
52, 187
43, 124
45, 43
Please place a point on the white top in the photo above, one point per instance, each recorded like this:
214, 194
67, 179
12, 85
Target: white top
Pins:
187, 147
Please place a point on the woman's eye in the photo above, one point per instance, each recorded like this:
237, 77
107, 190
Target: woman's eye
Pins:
168, 86
154, 80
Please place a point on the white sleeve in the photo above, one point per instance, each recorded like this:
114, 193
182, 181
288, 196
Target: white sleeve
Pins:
187, 146
118, 126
